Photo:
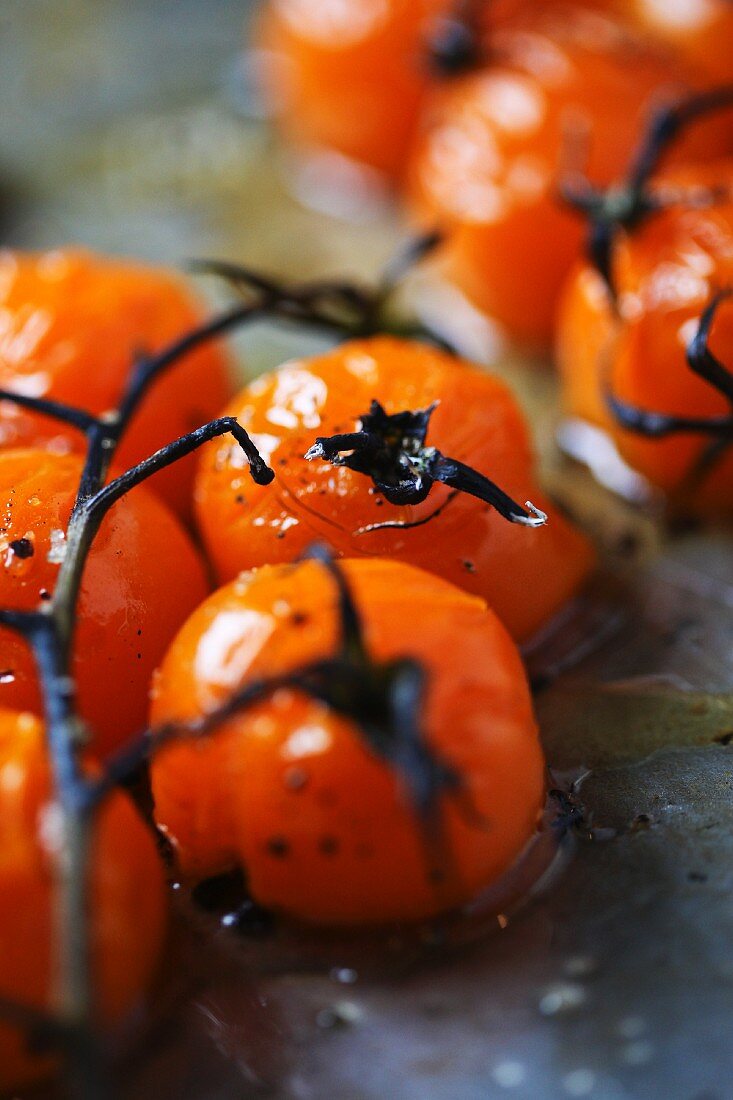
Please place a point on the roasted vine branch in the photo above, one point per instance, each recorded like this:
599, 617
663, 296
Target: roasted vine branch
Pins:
717, 431
390, 449
624, 206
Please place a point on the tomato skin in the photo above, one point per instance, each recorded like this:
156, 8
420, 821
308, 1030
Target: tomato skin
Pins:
666, 272
72, 323
128, 902
291, 791
143, 576
700, 31
461, 539
349, 77
485, 167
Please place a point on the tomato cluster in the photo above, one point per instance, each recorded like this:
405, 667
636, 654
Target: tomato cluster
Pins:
478, 144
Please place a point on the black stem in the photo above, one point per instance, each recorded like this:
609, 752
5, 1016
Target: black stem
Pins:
626, 205
390, 449
336, 307
68, 414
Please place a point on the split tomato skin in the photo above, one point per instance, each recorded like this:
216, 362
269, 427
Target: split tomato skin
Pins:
71, 325
322, 826
487, 162
349, 77
666, 272
143, 576
128, 904
524, 574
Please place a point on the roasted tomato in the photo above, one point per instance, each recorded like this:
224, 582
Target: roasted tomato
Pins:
142, 579
349, 76
488, 162
128, 895
71, 324
315, 802
665, 273
452, 534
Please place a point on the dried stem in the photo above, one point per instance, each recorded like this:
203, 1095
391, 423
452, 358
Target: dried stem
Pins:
390, 449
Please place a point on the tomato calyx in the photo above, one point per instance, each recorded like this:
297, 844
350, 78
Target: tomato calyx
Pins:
623, 206
716, 430
390, 448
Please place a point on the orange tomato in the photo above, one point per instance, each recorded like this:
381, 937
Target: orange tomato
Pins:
451, 534
71, 323
296, 794
487, 163
666, 272
143, 577
129, 905
349, 75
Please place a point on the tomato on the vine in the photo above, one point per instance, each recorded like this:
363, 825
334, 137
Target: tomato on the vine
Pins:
316, 811
489, 159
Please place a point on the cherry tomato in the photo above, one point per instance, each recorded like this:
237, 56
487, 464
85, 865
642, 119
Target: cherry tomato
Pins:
71, 323
295, 794
665, 272
142, 578
487, 164
128, 897
349, 76
525, 575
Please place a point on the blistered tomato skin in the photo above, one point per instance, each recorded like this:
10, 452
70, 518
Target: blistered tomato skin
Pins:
71, 324
525, 575
142, 578
666, 273
128, 898
322, 826
487, 162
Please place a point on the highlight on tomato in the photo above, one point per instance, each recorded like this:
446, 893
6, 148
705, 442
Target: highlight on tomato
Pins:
559, 81
72, 324
434, 430
389, 766
142, 578
127, 915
